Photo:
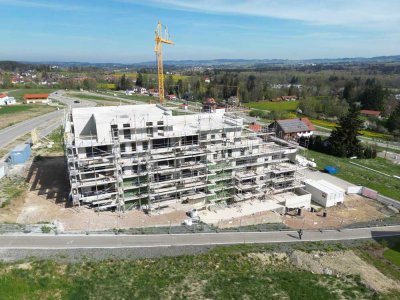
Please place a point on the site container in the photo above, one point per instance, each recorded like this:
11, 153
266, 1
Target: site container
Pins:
324, 193
20, 154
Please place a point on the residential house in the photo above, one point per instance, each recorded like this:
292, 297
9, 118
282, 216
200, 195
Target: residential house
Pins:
292, 129
6, 100
371, 113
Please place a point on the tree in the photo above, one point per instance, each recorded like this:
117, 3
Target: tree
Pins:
7, 81
372, 97
139, 80
124, 83
393, 122
343, 140
89, 84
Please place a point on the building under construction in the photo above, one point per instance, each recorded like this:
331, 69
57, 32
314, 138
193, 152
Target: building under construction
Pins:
121, 157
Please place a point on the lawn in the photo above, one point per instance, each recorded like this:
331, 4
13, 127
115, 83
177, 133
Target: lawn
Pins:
228, 274
290, 106
388, 186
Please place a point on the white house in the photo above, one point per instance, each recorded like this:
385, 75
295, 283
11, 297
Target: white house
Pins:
139, 90
6, 100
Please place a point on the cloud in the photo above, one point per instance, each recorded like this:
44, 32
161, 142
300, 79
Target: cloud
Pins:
41, 4
383, 13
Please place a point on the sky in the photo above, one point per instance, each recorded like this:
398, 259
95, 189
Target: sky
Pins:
123, 30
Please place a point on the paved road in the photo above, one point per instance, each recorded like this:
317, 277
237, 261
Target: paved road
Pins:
30, 241
8, 134
51, 120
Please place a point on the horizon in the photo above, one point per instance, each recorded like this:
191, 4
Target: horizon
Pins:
210, 59
122, 31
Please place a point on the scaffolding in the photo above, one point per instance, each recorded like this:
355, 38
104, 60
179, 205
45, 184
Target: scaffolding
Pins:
147, 163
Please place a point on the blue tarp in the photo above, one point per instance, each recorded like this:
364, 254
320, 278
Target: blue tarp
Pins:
330, 170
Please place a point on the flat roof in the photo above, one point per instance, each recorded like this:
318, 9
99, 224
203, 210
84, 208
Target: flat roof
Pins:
19, 148
324, 186
96, 121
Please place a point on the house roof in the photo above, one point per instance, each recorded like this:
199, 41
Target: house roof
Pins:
308, 123
36, 96
367, 112
292, 125
289, 97
255, 127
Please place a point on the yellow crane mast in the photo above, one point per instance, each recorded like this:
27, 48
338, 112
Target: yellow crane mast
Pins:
161, 38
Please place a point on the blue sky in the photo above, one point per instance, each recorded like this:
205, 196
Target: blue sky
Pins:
123, 30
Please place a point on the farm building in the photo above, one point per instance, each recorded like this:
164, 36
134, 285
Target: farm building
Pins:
36, 98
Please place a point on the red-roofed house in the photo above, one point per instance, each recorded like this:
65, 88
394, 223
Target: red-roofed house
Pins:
36, 98
370, 113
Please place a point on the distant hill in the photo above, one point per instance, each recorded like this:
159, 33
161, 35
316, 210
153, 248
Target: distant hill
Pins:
220, 62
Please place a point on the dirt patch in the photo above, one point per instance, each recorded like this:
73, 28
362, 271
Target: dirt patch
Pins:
343, 263
258, 218
266, 258
355, 209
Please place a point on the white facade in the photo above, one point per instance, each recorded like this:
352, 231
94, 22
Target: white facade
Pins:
6, 100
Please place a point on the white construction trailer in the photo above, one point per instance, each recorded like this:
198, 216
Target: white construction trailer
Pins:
324, 193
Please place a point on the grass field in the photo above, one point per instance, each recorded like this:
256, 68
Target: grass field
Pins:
388, 186
12, 114
107, 86
92, 97
11, 109
223, 273
289, 106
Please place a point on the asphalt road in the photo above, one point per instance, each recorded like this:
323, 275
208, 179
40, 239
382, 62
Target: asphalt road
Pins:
40, 241
51, 120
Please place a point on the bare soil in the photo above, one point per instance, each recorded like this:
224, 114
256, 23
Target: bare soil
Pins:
344, 263
355, 209
45, 201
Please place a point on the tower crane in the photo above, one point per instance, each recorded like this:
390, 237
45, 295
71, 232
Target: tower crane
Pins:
161, 38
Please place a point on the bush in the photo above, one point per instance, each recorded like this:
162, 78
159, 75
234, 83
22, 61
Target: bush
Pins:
45, 229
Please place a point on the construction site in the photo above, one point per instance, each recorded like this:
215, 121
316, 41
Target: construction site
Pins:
141, 156
155, 165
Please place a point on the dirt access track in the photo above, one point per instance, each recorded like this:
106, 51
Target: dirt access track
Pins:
47, 191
